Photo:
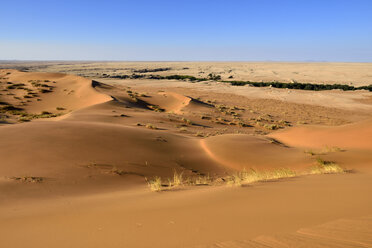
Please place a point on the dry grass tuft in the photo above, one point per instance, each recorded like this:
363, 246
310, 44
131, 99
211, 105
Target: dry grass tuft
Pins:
203, 180
155, 184
150, 126
326, 167
28, 179
252, 176
242, 177
177, 179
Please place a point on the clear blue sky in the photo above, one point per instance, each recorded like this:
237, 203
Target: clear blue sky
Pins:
237, 30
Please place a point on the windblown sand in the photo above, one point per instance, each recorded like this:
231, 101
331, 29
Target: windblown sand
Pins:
76, 156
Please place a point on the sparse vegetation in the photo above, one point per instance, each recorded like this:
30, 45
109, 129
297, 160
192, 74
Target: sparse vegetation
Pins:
183, 129
151, 126
177, 179
28, 179
45, 90
300, 86
214, 77
199, 134
271, 126
247, 177
24, 116
274, 84
155, 108
155, 184
324, 151
152, 70
326, 167
241, 178
187, 121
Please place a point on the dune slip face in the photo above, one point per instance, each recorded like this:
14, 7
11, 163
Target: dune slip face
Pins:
91, 164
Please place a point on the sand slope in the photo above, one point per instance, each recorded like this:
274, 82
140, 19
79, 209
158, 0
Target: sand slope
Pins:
80, 181
64, 91
353, 136
278, 214
242, 152
99, 145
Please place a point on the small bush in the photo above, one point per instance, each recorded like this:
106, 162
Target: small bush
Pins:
155, 108
187, 121
271, 126
150, 126
45, 90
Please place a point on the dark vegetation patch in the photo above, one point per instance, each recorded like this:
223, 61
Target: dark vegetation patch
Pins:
28, 179
8, 108
300, 86
168, 77
275, 84
24, 116
152, 70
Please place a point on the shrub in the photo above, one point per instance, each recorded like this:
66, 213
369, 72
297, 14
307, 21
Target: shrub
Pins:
155, 108
214, 77
151, 126
45, 90
187, 121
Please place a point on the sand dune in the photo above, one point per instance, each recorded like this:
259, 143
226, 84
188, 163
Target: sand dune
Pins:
81, 180
352, 136
349, 145
90, 143
39, 92
281, 213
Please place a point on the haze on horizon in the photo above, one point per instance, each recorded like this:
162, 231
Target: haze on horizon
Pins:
192, 30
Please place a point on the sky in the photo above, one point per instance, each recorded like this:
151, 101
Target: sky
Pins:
188, 30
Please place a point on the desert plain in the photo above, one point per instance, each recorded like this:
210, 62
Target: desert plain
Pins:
171, 154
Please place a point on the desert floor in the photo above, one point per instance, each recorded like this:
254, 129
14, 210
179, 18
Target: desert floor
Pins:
89, 159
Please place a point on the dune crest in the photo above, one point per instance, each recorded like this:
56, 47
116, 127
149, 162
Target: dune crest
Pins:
248, 152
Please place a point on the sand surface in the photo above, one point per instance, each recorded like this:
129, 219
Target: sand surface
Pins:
76, 156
